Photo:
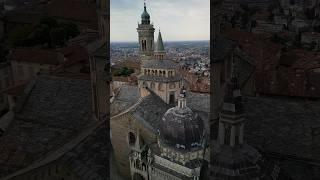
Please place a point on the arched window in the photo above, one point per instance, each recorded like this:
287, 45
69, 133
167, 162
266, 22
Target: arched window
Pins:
132, 138
152, 85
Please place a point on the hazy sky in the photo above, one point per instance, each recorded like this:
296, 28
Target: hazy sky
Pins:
177, 19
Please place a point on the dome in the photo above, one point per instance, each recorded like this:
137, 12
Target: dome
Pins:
181, 128
145, 17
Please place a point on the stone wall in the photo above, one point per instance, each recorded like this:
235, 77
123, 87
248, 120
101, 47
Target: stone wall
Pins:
120, 127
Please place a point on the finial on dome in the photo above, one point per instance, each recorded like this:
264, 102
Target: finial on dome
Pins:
182, 102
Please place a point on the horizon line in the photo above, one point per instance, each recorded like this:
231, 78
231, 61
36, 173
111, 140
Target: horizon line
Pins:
163, 42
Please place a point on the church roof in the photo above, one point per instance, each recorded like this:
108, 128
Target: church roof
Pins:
54, 110
159, 47
159, 78
284, 125
88, 158
159, 64
151, 108
243, 162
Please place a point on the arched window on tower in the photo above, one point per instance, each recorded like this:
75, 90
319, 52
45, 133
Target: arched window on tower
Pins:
132, 138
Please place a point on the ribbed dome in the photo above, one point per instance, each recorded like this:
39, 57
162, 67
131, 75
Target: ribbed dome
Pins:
181, 128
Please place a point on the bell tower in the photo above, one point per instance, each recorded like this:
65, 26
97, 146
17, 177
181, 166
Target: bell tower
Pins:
146, 36
232, 117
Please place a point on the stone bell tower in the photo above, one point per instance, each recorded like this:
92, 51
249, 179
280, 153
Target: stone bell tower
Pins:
146, 36
232, 115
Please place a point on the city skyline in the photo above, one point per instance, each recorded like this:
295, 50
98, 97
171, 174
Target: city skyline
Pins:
193, 19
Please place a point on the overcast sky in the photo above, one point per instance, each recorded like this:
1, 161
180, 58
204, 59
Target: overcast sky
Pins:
178, 20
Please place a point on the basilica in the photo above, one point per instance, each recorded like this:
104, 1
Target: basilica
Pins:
159, 129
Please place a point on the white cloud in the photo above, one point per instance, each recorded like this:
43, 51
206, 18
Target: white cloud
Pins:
178, 19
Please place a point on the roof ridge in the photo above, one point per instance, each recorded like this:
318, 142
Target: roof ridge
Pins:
58, 153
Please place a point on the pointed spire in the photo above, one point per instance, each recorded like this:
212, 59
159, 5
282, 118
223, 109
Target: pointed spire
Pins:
159, 45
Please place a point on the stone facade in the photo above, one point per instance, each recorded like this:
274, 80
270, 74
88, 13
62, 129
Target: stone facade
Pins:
136, 121
146, 36
168, 91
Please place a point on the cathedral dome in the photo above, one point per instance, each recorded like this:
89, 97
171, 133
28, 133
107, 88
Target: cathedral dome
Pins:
181, 127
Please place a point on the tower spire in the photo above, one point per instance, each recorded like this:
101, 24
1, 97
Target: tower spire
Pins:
159, 51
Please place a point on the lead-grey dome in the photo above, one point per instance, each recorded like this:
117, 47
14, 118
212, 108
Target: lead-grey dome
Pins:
181, 128
145, 17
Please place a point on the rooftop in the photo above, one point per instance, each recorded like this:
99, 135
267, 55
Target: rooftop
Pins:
53, 111
38, 56
160, 64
